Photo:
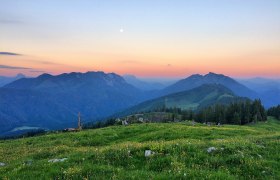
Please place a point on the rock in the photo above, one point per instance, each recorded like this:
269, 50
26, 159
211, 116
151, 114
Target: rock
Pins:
211, 149
57, 160
2, 164
124, 123
148, 153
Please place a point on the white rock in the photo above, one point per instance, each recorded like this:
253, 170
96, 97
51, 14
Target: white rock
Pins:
148, 153
2, 164
210, 149
57, 160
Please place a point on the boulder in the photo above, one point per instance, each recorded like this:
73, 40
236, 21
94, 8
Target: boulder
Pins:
148, 153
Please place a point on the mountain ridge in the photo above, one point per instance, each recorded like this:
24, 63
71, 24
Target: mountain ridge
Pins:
194, 99
94, 94
196, 80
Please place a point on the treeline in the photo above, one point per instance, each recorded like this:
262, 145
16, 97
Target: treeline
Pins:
242, 112
99, 124
274, 111
236, 113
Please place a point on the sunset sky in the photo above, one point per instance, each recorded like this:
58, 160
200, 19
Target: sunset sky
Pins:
148, 38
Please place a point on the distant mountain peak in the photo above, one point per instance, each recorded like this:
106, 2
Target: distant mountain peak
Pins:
195, 76
211, 74
45, 75
20, 75
210, 78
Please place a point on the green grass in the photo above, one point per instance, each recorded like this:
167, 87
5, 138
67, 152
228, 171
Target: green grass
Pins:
117, 152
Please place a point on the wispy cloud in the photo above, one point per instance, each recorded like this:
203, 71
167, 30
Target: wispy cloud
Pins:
41, 62
28, 60
9, 54
12, 67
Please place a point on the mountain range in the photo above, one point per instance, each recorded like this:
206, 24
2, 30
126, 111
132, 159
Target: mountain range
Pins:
268, 89
53, 102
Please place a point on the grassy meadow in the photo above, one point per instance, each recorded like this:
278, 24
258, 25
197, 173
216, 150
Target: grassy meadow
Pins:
179, 151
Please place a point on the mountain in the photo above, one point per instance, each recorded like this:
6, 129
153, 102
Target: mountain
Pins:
197, 80
261, 84
6, 80
194, 99
268, 89
53, 102
143, 85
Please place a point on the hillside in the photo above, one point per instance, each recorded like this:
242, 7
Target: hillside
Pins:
179, 151
194, 99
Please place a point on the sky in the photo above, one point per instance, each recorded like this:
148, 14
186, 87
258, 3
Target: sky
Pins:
147, 38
